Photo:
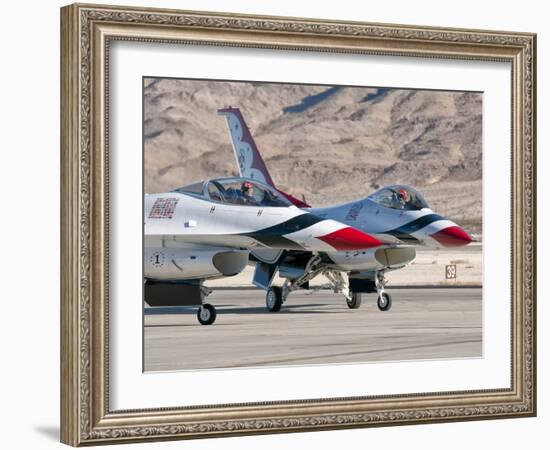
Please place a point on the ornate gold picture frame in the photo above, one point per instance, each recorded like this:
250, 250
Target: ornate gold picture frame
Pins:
87, 32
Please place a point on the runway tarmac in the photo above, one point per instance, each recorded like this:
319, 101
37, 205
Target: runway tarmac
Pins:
315, 328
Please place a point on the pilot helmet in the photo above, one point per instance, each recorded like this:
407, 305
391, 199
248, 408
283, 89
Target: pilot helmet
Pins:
404, 194
247, 185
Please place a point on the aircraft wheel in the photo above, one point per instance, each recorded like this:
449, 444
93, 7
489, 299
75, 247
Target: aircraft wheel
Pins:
355, 301
384, 301
206, 314
274, 299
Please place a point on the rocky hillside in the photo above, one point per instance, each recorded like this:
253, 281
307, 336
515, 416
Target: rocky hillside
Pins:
329, 144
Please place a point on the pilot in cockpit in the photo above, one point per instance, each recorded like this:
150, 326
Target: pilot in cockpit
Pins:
247, 190
402, 199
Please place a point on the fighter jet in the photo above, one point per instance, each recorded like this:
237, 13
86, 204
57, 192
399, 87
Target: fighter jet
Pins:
207, 230
397, 215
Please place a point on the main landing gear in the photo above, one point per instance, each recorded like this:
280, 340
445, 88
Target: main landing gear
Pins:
206, 314
354, 301
274, 299
340, 285
276, 296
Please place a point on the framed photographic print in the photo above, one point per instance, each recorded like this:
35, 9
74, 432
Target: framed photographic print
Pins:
268, 221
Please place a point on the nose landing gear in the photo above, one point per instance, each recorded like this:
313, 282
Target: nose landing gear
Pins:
206, 314
384, 299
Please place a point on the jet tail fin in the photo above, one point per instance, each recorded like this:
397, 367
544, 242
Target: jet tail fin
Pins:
251, 165
250, 162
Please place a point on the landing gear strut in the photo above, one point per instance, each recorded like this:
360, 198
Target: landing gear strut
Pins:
206, 314
340, 285
276, 295
384, 299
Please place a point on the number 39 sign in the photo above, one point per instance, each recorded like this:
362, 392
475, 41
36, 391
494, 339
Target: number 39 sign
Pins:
450, 272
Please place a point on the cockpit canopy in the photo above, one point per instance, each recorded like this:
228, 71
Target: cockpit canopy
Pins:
236, 191
399, 197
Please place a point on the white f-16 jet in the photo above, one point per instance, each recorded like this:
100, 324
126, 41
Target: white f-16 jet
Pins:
208, 229
398, 216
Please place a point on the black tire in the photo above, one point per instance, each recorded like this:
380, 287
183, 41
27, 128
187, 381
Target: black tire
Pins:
206, 314
384, 301
355, 301
274, 299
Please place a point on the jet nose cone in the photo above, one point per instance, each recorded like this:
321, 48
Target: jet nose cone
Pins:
350, 239
452, 237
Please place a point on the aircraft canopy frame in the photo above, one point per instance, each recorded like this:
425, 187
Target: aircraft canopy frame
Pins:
399, 196
237, 191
